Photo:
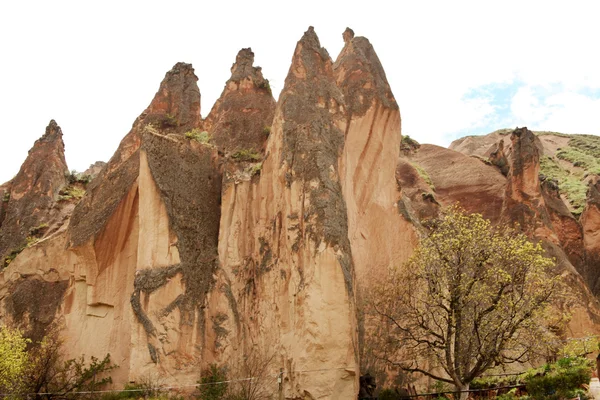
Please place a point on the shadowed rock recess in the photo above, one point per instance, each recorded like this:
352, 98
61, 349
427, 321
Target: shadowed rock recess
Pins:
250, 236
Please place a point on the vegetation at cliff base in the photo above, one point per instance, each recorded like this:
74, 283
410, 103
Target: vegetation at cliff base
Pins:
13, 359
564, 379
472, 297
28, 369
212, 384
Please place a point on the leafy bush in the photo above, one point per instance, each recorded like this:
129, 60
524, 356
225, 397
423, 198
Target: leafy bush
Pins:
407, 143
389, 394
424, 175
198, 136
246, 155
254, 169
39, 230
571, 185
6, 197
71, 192
13, 359
151, 128
265, 85
511, 395
267, 130
42, 369
29, 241
169, 121
211, 388
563, 379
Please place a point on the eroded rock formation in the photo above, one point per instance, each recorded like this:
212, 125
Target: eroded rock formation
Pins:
248, 237
28, 199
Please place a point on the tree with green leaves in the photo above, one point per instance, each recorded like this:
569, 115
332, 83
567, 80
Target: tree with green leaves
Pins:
213, 384
13, 359
472, 297
39, 369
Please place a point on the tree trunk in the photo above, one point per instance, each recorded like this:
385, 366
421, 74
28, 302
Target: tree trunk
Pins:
464, 394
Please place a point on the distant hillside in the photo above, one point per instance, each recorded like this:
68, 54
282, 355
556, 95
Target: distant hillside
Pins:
570, 159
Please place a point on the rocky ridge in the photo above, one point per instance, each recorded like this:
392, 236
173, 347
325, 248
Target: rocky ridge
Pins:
248, 238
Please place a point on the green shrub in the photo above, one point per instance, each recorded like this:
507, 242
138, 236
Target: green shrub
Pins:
6, 197
511, 395
169, 121
246, 155
254, 169
267, 130
71, 192
29, 241
198, 136
571, 185
424, 175
210, 387
78, 177
407, 143
151, 128
563, 379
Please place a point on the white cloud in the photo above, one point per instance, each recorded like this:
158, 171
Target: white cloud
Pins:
526, 107
561, 111
573, 113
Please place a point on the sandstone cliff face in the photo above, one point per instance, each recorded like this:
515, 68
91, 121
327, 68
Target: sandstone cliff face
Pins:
457, 178
380, 237
252, 250
287, 268
178, 257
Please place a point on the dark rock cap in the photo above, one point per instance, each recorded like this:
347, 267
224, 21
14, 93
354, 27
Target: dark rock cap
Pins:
348, 35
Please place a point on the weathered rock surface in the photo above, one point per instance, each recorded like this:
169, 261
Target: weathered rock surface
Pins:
253, 250
240, 121
590, 221
478, 187
28, 200
380, 237
287, 278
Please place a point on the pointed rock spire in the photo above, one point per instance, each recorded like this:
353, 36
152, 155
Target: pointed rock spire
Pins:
176, 105
360, 75
174, 109
241, 118
311, 108
33, 191
310, 60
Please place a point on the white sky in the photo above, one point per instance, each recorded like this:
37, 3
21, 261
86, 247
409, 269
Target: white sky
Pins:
455, 67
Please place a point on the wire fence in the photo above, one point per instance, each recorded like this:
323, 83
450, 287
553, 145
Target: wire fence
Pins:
159, 388
278, 377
